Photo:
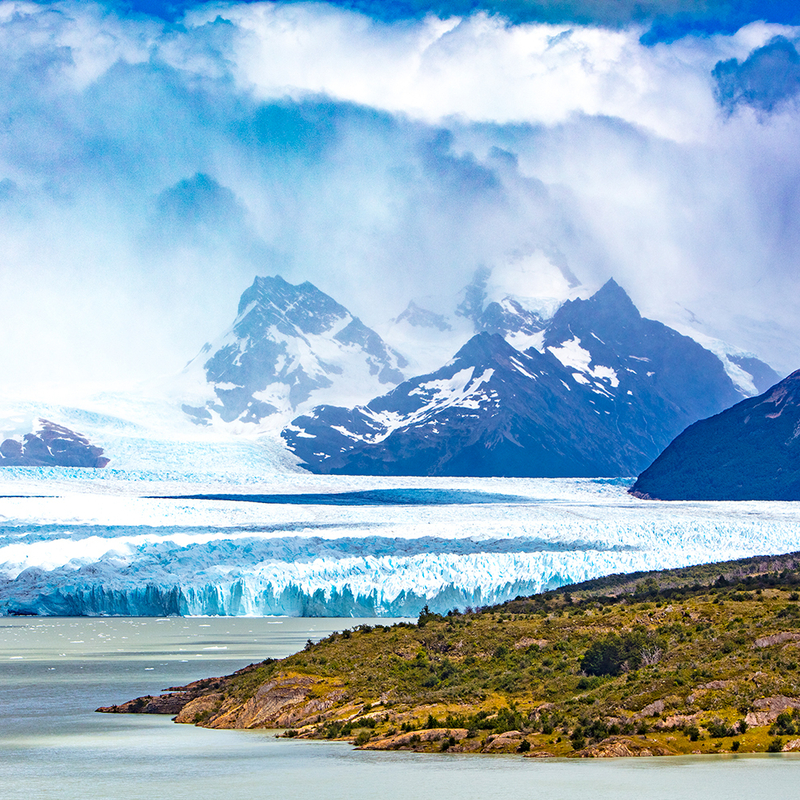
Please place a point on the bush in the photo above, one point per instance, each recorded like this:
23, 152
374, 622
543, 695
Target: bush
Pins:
775, 745
735, 745
362, 738
783, 726
524, 746
426, 616
718, 729
693, 732
614, 654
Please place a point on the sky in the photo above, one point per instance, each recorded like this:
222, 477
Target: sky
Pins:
155, 157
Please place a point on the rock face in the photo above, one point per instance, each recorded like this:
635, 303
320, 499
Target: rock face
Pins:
748, 452
51, 445
175, 699
287, 344
602, 396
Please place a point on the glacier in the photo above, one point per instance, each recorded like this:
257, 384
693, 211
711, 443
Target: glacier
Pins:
133, 542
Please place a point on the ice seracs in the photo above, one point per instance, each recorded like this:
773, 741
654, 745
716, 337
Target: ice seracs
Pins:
382, 546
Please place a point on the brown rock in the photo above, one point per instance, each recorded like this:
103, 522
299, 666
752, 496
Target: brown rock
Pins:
402, 740
527, 642
769, 708
503, 741
194, 710
715, 685
650, 710
622, 747
171, 703
777, 638
678, 719
792, 746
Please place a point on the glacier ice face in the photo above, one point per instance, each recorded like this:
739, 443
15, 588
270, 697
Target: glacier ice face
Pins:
343, 546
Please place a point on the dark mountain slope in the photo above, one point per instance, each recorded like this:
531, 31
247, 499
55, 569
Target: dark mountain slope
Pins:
749, 452
51, 445
608, 391
491, 411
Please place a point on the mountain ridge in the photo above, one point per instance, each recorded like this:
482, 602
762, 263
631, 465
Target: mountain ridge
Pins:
750, 451
603, 394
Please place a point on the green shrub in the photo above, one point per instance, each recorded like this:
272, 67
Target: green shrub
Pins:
775, 745
614, 654
362, 738
783, 726
718, 729
578, 740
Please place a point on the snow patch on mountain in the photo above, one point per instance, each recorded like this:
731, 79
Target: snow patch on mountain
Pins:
749, 374
571, 354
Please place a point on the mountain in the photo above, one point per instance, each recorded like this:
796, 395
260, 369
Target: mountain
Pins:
287, 346
748, 452
657, 380
492, 411
51, 445
604, 394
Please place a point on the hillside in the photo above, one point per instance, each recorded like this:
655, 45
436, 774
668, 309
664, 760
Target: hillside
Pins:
702, 660
748, 452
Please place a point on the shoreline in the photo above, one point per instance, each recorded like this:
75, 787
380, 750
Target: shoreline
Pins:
656, 665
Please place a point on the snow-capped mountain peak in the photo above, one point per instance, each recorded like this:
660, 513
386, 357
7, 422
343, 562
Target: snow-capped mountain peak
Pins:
287, 344
601, 392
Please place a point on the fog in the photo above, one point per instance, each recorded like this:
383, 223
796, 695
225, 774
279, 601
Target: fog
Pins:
149, 169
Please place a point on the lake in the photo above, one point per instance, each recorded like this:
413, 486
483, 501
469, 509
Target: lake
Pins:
55, 671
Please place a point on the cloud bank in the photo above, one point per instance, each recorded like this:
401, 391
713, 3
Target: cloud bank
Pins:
149, 168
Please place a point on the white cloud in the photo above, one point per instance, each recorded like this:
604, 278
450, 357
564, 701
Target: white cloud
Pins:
461, 143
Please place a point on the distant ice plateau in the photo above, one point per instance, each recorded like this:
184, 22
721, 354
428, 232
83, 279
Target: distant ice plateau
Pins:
105, 542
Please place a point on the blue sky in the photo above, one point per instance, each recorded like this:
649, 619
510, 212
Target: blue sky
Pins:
154, 157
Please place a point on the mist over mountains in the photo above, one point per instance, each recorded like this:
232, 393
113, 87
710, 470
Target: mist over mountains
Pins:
536, 388
158, 155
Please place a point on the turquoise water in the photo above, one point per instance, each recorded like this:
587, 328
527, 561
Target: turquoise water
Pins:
54, 672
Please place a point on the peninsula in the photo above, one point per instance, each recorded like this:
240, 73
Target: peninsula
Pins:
697, 660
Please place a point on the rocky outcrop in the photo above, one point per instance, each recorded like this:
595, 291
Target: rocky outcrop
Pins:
408, 740
777, 638
624, 747
51, 445
768, 709
171, 703
286, 701
174, 699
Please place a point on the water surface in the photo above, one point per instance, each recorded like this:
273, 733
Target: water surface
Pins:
55, 671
